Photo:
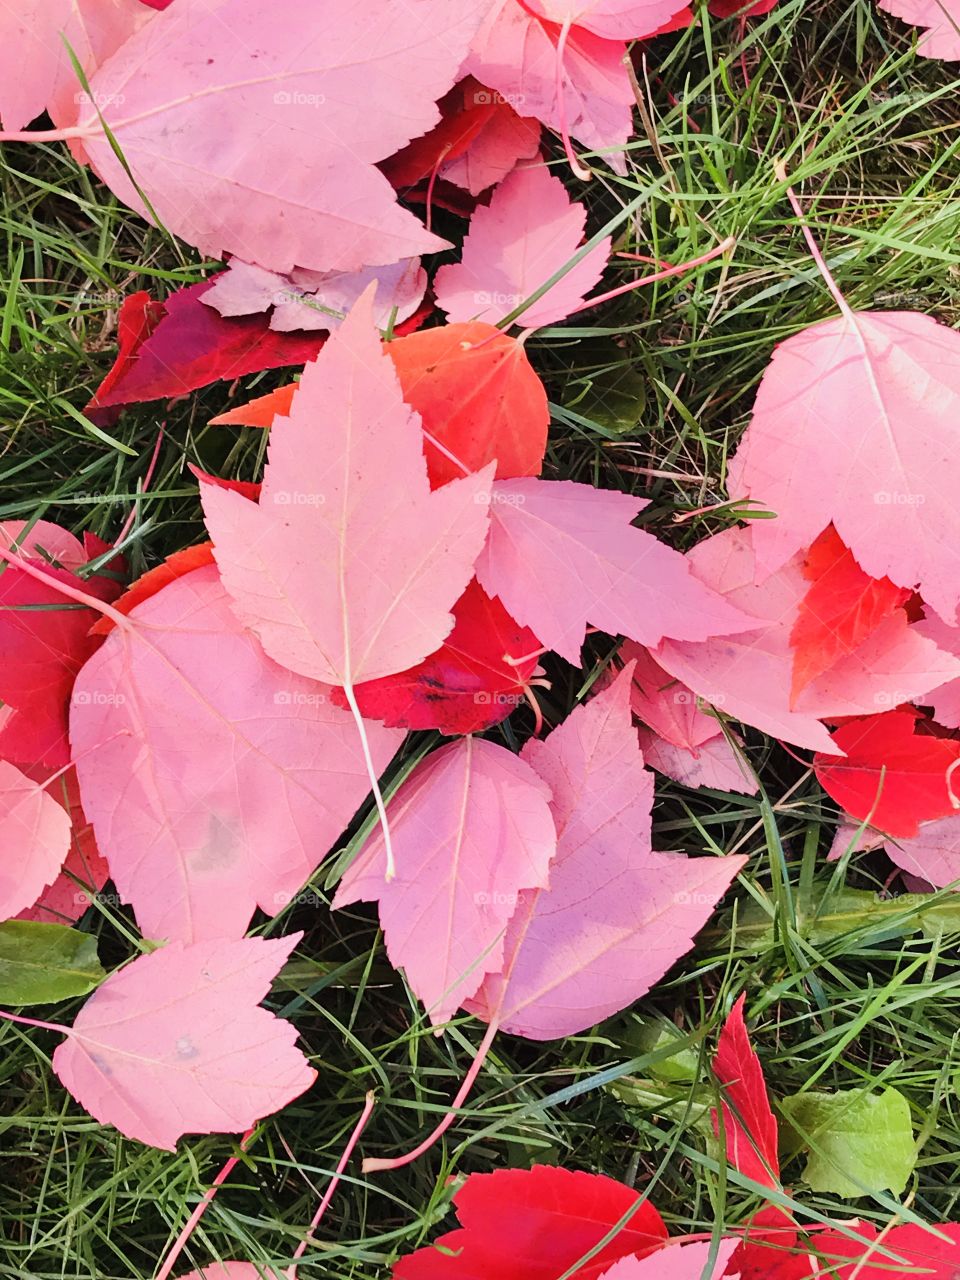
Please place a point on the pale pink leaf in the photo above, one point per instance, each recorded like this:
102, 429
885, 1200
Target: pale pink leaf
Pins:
932, 854
710, 764
216, 781
176, 1043
749, 676
851, 837
313, 299
254, 130
562, 555
36, 72
853, 424
676, 1262
940, 23
528, 232
349, 566
611, 19
34, 837
945, 699
515, 53
501, 144
238, 1271
616, 915
471, 830
665, 704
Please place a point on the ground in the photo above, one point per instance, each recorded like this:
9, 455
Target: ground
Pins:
648, 394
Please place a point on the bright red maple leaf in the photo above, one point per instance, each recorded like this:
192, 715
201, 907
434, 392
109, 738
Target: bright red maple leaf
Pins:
892, 775
749, 1126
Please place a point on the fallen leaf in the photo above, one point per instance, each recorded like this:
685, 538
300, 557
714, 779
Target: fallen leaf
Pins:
749, 676
149, 583
675, 1262
84, 871
139, 315
534, 1224
891, 775
611, 19
922, 1252
36, 71
191, 346
858, 1143
314, 299
933, 853
843, 606
175, 1043
562, 555
216, 780
882, 388
945, 698
188, 109
616, 915
528, 232
940, 23
740, 8
44, 641
477, 677
43, 963
666, 705
349, 565
501, 144
472, 830
261, 411
712, 764
35, 837
749, 1126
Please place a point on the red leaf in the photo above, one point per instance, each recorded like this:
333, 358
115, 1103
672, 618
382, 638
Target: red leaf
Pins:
732, 8
891, 775
468, 684
261, 411
149, 583
749, 1126
139, 316
464, 112
192, 345
249, 489
841, 608
769, 1250
534, 1224
923, 1253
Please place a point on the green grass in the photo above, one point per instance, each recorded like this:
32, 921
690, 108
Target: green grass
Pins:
658, 382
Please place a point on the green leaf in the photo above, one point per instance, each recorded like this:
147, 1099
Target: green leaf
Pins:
41, 963
857, 1142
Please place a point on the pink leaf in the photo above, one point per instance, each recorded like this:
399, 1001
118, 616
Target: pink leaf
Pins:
611, 19
516, 53
675, 1262
561, 555
527, 233
933, 853
175, 1043
66, 899
316, 300
749, 1126
505, 140
471, 830
711, 764
882, 387
235, 1271
34, 836
616, 915
940, 20
664, 703
945, 699
749, 676
36, 72
216, 781
189, 111
349, 566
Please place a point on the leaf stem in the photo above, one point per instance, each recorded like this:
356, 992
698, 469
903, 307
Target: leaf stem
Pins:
374, 780
780, 169
715, 252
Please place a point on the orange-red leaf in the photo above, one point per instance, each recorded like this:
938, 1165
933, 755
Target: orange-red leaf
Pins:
749, 1126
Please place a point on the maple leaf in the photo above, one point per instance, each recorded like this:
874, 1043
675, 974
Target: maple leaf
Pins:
187, 111
740, 8
876, 1257
44, 640
749, 1126
314, 299
891, 776
35, 837
36, 70
841, 608
616, 915
149, 583
940, 20
749, 676
933, 853
472, 830
139, 315
527, 233
712, 764
945, 698
561, 555
182, 345
349, 565
535, 1224
175, 1043
882, 387
215, 780
474, 680
84, 871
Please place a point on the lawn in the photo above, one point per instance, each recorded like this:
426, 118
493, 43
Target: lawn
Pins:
649, 394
